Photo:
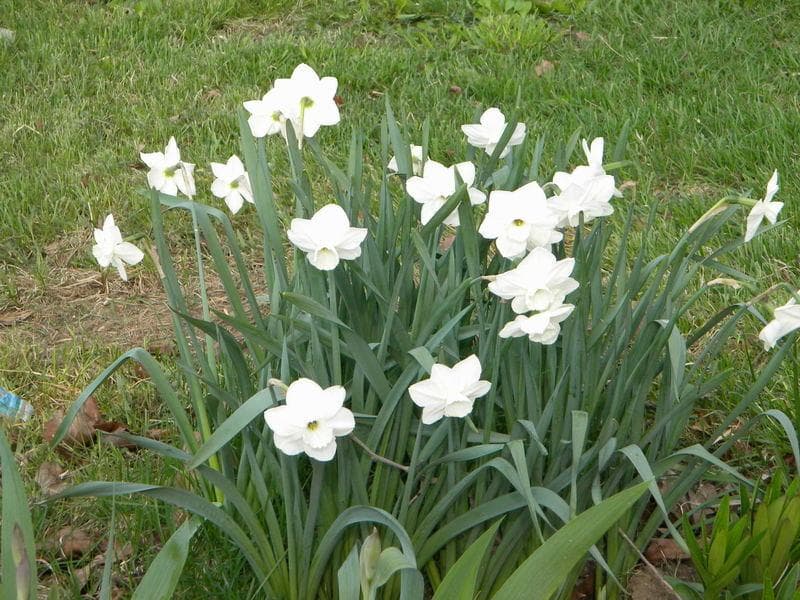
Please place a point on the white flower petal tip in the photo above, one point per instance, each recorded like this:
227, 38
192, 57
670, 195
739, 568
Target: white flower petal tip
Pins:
327, 237
437, 184
311, 420
786, 319
449, 391
110, 250
168, 174
305, 100
538, 283
416, 161
232, 183
543, 327
487, 133
519, 221
764, 209
587, 190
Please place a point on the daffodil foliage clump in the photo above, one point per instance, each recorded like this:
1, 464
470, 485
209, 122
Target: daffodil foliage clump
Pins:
439, 350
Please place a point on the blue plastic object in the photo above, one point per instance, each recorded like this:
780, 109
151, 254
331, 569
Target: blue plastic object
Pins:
14, 407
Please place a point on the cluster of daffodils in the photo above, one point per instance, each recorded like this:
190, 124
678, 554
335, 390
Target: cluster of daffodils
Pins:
524, 224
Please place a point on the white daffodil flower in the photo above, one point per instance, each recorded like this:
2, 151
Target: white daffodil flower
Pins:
785, 320
437, 184
542, 327
267, 116
311, 420
327, 237
168, 173
537, 283
520, 220
449, 392
111, 250
308, 100
304, 99
232, 183
764, 209
416, 161
588, 189
488, 132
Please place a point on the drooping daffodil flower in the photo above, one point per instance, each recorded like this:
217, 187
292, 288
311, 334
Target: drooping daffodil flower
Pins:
437, 184
520, 220
232, 183
588, 189
168, 173
542, 327
416, 161
327, 237
764, 209
537, 283
449, 391
109, 248
785, 320
488, 132
311, 420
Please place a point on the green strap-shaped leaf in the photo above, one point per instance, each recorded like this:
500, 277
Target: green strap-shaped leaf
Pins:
240, 419
161, 578
349, 576
549, 566
16, 538
462, 578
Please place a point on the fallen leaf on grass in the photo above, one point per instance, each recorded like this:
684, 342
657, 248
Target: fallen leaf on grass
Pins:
455, 90
581, 36
543, 68
660, 551
73, 542
81, 431
14, 316
50, 478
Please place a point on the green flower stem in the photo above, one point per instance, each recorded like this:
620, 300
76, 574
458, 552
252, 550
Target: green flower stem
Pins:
378, 457
336, 356
412, 470
202, 414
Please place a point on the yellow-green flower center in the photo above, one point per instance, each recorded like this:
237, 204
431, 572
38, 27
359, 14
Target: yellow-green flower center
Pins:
306, 102
518, 222
312, 426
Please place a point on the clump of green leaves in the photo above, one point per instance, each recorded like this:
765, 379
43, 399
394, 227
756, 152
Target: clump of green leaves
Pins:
755, 554
526, 7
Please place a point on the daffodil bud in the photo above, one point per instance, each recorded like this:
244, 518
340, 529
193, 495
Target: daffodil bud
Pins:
368, 559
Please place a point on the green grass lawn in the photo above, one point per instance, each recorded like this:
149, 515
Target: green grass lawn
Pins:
711, 88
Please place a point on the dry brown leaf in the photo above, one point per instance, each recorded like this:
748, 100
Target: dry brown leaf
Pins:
660, 551
581, 36
81, 430
455, 90
446, 242
73, 542
14, 316
544, 67
50, 478
645, 585
339, 100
